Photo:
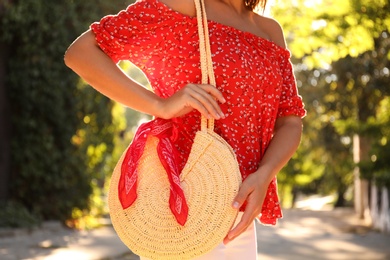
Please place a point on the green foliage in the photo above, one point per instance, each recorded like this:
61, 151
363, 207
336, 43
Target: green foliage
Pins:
327, 30
367, 79
62, 132
323, 162
341, 51
15, 215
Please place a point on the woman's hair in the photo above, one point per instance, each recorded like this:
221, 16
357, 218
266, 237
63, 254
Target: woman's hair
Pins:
252, 4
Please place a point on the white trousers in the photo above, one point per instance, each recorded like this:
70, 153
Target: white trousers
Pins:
242, 247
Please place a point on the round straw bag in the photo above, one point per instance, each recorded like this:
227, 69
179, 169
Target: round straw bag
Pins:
210, 180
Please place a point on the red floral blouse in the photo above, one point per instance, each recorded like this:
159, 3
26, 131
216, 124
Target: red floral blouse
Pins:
254, 74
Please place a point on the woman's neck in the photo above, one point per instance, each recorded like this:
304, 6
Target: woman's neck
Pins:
237, 5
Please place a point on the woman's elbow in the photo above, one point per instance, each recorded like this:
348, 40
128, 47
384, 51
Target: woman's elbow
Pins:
71, 54
78, 48
68, 57
291, 123
289, 120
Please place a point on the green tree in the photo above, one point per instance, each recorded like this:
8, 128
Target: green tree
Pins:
62, 131
344, 46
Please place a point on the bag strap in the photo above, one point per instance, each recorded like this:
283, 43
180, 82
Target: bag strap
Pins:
206, 63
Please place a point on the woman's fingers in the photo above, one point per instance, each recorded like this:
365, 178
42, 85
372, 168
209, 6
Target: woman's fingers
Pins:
252, 191
213, 91
244, 193
203, 98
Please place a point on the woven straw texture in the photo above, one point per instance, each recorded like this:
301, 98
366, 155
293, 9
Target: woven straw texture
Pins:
210, 181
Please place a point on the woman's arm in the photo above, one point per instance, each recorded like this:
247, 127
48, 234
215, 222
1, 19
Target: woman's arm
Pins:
283, 145
86, 58
286, 139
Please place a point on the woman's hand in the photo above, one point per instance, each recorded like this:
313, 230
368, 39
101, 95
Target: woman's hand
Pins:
201, 97
287, 135
252, 191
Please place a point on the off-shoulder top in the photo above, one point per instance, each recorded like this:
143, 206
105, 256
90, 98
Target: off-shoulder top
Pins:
254, 74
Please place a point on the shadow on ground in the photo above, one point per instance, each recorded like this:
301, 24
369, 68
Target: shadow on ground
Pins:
321, 235
301, 234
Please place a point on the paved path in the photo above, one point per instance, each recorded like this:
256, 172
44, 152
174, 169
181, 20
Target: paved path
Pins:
302, 234
321, 235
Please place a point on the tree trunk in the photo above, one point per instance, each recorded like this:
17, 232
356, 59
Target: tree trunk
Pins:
5, 140
361, 148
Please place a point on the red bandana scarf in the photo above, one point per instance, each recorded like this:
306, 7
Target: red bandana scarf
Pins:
127, 187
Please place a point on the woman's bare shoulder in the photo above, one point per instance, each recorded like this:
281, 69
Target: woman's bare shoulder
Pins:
186, 7
273, 29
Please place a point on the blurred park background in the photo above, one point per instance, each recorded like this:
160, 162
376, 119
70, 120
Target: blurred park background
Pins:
60, 139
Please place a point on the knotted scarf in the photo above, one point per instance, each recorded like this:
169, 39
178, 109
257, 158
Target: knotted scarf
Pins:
168, 155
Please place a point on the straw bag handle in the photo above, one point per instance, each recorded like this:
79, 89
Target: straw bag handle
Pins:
206, 63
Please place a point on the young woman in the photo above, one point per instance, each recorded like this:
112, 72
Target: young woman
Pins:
255, 103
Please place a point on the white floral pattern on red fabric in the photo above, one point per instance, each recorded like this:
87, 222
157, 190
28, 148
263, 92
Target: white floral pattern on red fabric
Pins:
254, 74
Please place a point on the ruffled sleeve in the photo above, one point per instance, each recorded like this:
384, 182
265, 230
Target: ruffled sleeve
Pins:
290, 102
131, 34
